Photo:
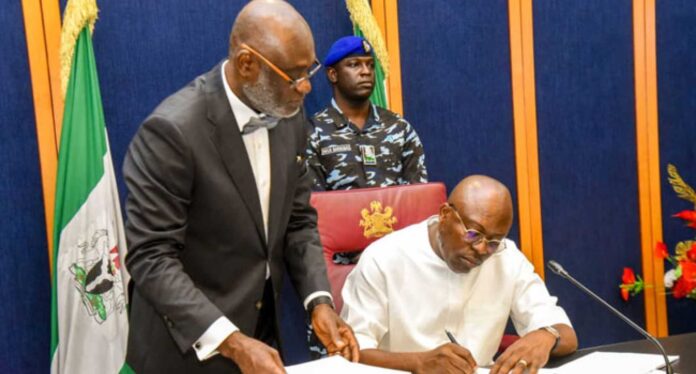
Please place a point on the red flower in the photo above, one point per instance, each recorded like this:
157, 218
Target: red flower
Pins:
687, 282
628, 277
679, 289
691, 254
689, 275
689, 216
661, 250
629, 283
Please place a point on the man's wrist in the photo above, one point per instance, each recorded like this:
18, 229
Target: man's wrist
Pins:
557, 336
417, 361
319, 300
232, 345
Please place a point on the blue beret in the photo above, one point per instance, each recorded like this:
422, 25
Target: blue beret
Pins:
346, 46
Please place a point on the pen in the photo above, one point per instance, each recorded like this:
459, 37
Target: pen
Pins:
451, 337
454, 341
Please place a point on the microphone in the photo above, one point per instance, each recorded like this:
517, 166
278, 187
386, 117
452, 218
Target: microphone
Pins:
558, 269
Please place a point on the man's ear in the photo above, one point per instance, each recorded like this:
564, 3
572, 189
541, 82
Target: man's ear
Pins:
332, 74
444, 210
246, 66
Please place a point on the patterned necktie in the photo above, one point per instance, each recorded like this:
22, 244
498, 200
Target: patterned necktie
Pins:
256, 123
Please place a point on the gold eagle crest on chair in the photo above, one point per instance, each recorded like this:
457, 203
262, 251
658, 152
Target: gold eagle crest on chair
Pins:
377, 223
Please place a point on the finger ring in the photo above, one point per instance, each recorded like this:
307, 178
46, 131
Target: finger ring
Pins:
522, 362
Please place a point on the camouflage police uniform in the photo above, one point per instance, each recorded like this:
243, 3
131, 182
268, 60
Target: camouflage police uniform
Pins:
386, 152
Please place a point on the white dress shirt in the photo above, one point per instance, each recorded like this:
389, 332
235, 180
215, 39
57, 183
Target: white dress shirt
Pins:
258, 150
401, 297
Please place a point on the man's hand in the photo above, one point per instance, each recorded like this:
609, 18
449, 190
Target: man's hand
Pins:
334, 333
530, 352
251, 355
447, 358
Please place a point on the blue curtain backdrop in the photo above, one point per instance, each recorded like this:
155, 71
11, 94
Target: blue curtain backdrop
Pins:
457, 94
455, 59
676, 79
24, 276
587, 157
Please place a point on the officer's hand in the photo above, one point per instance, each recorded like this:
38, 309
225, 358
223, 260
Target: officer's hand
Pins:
252, 356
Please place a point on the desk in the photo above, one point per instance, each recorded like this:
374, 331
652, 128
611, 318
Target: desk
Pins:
683, 345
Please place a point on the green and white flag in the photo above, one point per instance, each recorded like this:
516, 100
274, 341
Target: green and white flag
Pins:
365, 25
379, 94
89, 325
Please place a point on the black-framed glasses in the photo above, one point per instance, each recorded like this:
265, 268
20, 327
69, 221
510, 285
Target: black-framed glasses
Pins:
475, 237
294, 83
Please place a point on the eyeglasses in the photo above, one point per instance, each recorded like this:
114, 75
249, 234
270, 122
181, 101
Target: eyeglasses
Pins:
294, 83
475, 237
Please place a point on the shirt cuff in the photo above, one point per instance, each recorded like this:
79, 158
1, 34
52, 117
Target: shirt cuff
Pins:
314, 295
365, 341
206, 346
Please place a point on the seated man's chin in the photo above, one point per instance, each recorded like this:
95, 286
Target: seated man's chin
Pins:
460, 268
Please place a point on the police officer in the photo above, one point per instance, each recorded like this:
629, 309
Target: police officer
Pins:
354, 143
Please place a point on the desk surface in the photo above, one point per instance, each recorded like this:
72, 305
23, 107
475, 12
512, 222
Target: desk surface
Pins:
683, 345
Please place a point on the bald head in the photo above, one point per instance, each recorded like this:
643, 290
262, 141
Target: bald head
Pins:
271, 46
273, 27
484, 199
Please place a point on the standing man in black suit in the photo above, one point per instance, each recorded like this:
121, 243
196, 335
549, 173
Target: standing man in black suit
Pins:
218, 206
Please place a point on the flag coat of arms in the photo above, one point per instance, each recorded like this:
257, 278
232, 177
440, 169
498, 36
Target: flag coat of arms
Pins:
89, 325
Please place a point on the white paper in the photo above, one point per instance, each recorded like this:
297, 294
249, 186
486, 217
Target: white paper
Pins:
608, 363
595, 363
337, 365
541, 371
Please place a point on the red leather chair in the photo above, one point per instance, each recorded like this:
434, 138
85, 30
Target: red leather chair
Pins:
507, 341
350, 220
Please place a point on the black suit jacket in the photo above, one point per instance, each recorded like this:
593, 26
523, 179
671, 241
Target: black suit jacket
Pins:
197, 247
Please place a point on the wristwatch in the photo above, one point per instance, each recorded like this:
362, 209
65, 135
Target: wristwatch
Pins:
319, 300
552, 330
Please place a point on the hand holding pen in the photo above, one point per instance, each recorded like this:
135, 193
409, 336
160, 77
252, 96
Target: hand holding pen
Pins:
447, 358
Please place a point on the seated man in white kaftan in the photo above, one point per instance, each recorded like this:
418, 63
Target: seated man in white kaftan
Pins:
454, 272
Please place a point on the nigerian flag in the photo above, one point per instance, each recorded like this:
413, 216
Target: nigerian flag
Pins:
365, 25
89, 326
379, 94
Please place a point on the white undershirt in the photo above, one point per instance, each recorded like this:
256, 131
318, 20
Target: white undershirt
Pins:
258, 150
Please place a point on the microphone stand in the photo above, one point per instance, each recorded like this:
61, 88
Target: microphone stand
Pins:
558, 269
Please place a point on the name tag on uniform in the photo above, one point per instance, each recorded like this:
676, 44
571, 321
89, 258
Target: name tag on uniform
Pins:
335, 148
368, 155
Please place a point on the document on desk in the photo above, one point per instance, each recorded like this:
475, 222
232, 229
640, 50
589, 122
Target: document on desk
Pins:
608, 363
613, 362
337, 365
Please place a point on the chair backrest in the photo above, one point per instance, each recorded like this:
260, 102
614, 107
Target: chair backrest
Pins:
350, 220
